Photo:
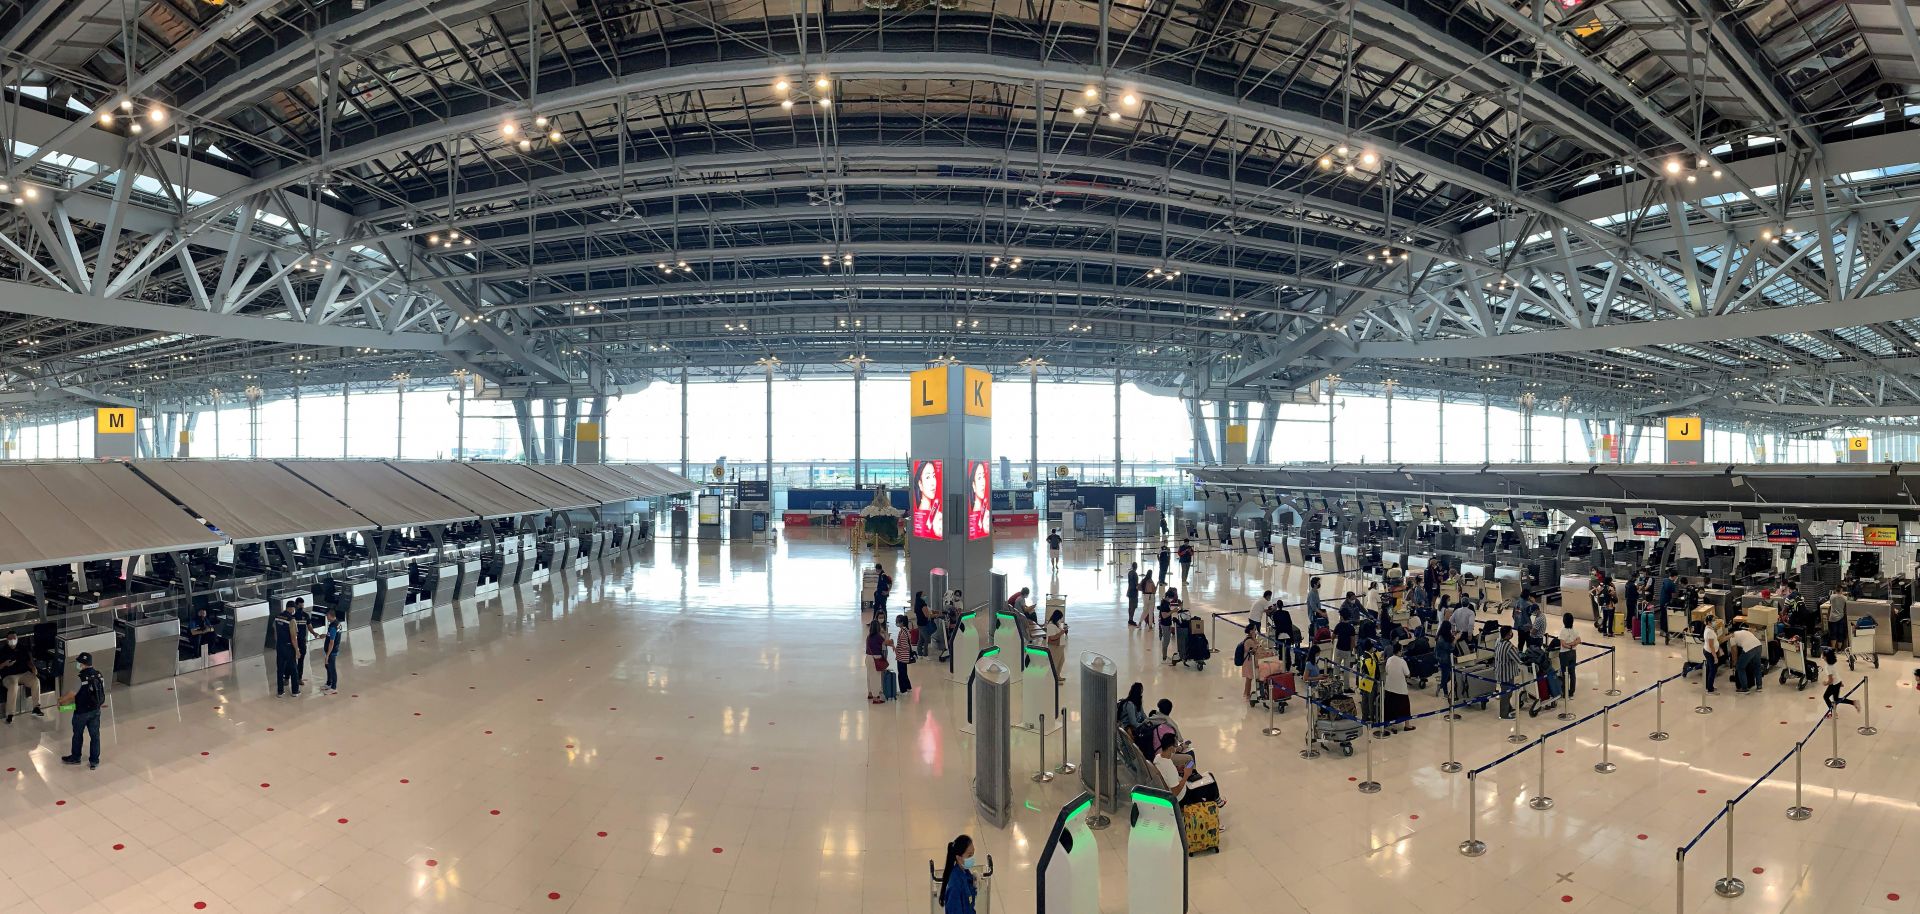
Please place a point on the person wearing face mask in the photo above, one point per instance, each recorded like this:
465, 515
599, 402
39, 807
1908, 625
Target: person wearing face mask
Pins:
17, 672
957, 889
89, 695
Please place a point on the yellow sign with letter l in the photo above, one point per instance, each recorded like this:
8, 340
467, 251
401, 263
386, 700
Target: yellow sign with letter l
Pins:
928, 388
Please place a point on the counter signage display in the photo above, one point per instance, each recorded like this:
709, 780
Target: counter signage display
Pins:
1609, 523
1730, 530
929, 492
755, 490
1533, 518
1501, 517
1783, 534
1124, 509
1646, 526
979, 500
1444, 513
1880, 534
709, 509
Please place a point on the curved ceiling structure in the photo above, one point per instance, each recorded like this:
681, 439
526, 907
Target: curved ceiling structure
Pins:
1638, 207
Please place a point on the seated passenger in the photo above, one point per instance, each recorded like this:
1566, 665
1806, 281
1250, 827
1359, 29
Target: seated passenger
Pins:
1186, 784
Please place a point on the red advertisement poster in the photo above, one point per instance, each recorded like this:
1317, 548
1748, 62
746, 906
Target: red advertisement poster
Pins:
979, 500
929, 492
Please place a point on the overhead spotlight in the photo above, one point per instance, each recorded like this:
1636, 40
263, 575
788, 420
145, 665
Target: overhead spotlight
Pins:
782, 86
822, 83
786, 103
1129, 100
126, 104
540, 121
1113, 115
509, 128
1079, 111
553, 136
106, 118
1091, 93
526, 145
1369, 158
1673, 166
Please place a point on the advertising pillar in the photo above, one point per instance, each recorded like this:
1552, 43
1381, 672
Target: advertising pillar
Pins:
950, 492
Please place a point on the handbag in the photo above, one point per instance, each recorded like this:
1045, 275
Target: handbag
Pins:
880, 663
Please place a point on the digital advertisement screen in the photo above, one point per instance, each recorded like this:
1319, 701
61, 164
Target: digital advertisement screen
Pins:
1784, 534
929, 491
1502, 517
1533, 518
1646, 526
1733, 530
1609, 523
1881, 534
979, 500
1444, 513
1124, 508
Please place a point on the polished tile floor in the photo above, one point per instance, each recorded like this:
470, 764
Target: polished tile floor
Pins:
686, 732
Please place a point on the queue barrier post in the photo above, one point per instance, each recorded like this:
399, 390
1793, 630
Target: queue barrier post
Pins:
1045, 774
1866, 726
1065, 767
1659, 733
1370, 785
1606, 765
1613, 672
1835, 761
1799, 811
1729, 886
1515, 737
1473, 846
1309, 751
1680, 881
1541, 800
1452, 764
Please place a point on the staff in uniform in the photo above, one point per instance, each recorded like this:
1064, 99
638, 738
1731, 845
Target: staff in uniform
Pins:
288, 645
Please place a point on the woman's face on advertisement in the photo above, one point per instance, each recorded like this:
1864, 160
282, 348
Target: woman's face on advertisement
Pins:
927, 481
979, 479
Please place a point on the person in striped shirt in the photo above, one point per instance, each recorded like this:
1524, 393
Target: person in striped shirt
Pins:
1507, 668
902, 652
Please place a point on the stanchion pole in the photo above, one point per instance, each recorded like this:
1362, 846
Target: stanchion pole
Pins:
1473, 846
1370, 785
1065, 767
1515, 736
1606, 765
1703, 707
1836, 761
1799, 811
1680, 881
1866, 727
1659, 733
1566, 691
1099, 819
1045, 774
1540, 799
1308, 750
1273, 703
1613, 672
1452, 764
1729, 886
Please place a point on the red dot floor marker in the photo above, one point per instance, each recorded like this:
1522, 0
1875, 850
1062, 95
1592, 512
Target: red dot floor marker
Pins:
152, 728
203, 753
553, 896
119, 847
495, 812
264, 785
719, 850
416, 713
1893, 896
756, 768
613, 709
1746, 755
600, 834
59, 802
341, 821
332, 754
569, 745
1566, 898
433, 863
1758, 870
1641, 837
1353, 779
269, 729
405, 781
1702, 790
1414, 817
659, 758
199, 905
1559, 752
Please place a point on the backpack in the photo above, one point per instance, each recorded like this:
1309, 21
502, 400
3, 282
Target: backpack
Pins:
1147, 736
94, 690
1240, 654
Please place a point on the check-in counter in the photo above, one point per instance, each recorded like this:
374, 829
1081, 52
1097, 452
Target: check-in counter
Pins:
536, 560
1724, 600
248, 623
390, 593
445, 578
361, 593
1575, 597
97, 640
145, 649
469, 580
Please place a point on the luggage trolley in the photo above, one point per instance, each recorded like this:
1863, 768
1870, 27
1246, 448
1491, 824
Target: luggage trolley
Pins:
1860, 641
1335, 734
1796, 661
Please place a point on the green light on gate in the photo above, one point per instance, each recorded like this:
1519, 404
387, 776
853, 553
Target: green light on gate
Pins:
1029, 805
1080, 808
1004, 615
990, 652
1151, 800
1037, 650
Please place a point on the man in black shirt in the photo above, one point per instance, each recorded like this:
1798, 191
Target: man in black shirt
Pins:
288, 642
87, 697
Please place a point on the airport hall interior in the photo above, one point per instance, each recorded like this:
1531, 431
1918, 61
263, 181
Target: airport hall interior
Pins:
959, 457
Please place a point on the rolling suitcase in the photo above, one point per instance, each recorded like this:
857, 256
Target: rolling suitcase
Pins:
1647, 632
1201, 823
889, 686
